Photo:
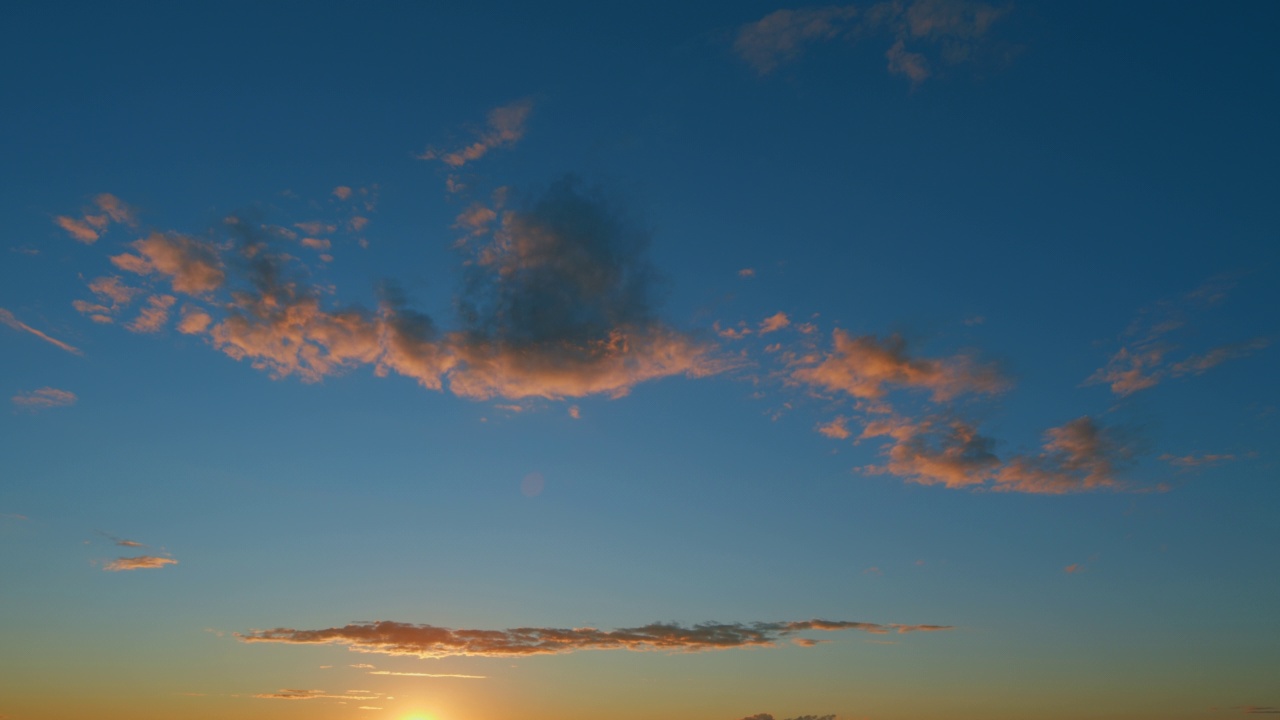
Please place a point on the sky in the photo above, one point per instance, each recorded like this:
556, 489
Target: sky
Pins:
586, 361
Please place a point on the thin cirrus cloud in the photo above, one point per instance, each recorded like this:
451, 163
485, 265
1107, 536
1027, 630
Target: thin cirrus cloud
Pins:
556, 302
949, 30
141, 562
294, 694
1147, 356
428, 675
428, 641
867, 367
44, 398
8, 318
505, 127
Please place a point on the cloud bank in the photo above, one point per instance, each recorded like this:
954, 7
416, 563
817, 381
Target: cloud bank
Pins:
428, 641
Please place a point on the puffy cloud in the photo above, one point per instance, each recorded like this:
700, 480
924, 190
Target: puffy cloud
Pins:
395, 638
89, 227
116, 209
747, 273
865, 367
153, 317
316, 243
142, 562
45, 397
194, 321
767, 716
837, 429
12, 321
342, 192
505, 128
192, 266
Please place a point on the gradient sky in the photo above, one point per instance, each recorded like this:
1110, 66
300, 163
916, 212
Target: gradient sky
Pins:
579, 361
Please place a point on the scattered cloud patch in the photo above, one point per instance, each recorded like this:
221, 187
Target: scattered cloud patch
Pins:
1188, 462
154, 315
191, 265
866, 367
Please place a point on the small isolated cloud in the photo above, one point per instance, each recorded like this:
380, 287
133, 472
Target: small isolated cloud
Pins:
43, 398
575, 412
1074, 568
767, 716
746, 273
342, 192
949, 30
12, 321
837, 429
774, 323
1147, 355
866, 367
191, 265
396, 638
77, 229
1188, 462
505, 127
142, 562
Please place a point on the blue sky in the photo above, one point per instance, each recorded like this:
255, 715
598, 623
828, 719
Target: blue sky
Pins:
659, 333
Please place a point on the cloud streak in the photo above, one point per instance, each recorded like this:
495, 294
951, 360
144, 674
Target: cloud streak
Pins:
505, 127
867, 367
428, 641
12, 321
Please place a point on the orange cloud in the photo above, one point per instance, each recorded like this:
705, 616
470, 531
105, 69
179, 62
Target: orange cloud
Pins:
505, 128
154, 316
90, 227
77, 229
116, 209
192, 266
1194, 461
1079, 456
142, 562
12, 321
291, 694
865, 367
746, 273
45, 397
1073, 568
774, 322
342, 192
837, 429
316, 243
394, 638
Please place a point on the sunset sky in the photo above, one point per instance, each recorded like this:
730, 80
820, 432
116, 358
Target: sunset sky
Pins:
706, 361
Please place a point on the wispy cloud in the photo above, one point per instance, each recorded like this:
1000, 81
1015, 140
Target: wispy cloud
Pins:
949, 30
43, 398
1147, 356
396, 638
141, 562
292, 694
429, 675
154, 315
12, 321
1187, 462
505, 127
767, 716
867, 367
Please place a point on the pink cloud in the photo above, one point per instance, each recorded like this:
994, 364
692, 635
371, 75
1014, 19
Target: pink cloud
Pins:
192, 266
774, 323
837, 429
116, 209
342, 192
45, 397
12, 321
153, 317
866, 367
395, 638
142, 562
1194, 461
77, 229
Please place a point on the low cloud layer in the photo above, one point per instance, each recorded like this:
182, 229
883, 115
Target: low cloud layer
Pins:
395, 638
